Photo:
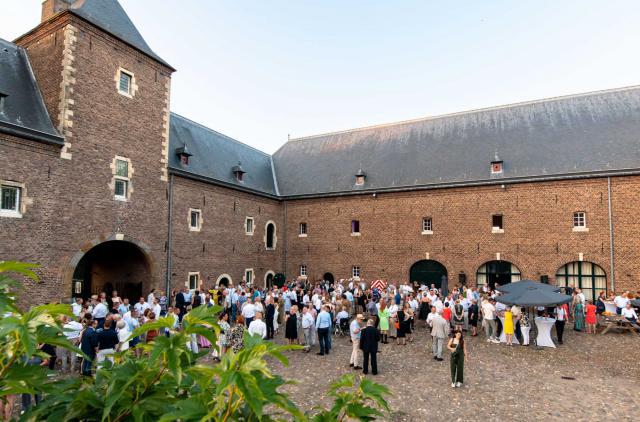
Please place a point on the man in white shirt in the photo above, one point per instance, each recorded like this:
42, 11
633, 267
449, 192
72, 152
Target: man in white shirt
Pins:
307, 327
629, 313
99, 312
258, 326
249, 312
155, 308
432, 315
151, 297
561, 317
489, 320
621, 302
72, 330
76, 307
141, 306
123, 336
259, 306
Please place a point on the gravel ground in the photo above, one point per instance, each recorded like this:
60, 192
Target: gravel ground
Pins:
501, 382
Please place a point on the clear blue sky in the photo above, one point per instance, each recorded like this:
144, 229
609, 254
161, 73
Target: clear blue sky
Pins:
259, 70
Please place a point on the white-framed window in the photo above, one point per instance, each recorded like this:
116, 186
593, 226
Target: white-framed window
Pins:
248, 276
125, 82
270, 236
302, 230
121, 179
497, 223
427, 225
303, 270
195, 220
10, 201
248, 226
579, 221
355, 271
193, 282
355, 227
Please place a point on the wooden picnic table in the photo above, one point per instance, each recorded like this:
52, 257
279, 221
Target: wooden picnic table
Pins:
619, 323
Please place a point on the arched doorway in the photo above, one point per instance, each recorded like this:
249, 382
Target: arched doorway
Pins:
428, 272
328, 277
268, 279
584, 275
112, 265
224, 280
497, 272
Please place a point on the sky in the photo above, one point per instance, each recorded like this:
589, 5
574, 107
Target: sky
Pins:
260, 71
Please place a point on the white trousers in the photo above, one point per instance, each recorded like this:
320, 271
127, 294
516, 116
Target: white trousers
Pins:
355, 352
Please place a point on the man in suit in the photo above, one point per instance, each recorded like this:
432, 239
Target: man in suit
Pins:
369, 338
439, 332
88, 345
181, 303
269, 315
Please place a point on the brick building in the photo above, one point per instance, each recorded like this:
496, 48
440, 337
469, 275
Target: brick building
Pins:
106, 188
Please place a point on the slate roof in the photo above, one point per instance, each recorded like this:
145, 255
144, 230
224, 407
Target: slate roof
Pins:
586, 134
22, 110
215, 156
111, 17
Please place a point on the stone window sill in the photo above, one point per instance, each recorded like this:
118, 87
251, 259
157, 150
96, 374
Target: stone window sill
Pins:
355, 234
497, 230
120, 198
10, 214
580, 229
302, 235
249, 233
426, 232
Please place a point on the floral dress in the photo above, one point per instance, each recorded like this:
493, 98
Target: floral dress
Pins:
236, 338
224, 333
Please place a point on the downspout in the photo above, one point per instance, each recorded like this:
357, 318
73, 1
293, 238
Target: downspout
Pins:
611, 255
170, 239
286, 243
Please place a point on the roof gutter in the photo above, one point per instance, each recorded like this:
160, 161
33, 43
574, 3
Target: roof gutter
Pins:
492, 182
206, 179
35, 135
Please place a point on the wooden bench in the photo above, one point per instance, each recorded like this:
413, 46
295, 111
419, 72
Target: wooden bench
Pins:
620, 324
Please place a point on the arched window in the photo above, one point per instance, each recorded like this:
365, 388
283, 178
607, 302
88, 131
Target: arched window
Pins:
584, 275
500, 272
270, 236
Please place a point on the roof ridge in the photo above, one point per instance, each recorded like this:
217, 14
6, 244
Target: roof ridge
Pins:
221, 134
466, 112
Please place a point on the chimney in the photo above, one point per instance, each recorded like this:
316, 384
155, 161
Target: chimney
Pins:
51, 7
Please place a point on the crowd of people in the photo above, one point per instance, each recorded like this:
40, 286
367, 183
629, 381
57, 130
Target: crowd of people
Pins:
312, 314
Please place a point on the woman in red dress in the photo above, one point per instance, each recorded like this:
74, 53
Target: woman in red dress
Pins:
591, 319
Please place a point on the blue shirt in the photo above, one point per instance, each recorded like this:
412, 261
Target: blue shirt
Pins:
323, 320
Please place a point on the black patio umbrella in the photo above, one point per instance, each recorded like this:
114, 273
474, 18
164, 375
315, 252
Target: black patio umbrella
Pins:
519, 286
534, 296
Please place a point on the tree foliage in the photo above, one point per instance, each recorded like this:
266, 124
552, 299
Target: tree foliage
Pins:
167, 382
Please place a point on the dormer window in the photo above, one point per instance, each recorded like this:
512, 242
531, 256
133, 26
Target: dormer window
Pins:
360, 177
3, 97
496, 165
238, 172
183, 154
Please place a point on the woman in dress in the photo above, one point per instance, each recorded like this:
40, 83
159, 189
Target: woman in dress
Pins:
405, 323
291, 325
393, 320
425, 307
383, 316
578, 316
591, 318
458, 316
458, 355
236, 335
473, 317
400, 333
508, 326
223, 339
600, 307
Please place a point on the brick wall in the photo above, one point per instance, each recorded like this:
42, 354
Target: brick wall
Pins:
221, 246
537, 238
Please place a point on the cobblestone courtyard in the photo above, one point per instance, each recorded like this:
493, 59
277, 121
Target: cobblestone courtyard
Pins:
501, 382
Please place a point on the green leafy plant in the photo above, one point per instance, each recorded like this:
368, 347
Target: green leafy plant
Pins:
21, 334
167, 382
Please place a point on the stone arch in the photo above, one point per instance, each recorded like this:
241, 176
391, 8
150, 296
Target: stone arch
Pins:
268, 278
221, 279
427, 272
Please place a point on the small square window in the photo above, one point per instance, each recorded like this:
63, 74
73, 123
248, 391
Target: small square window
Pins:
580, 219
359, 180
124, 83
10, 200
303, 270
355, 272
195, 220
496, 168
248, 225
122, 186
194, 281
496, 222
184, 159
355, 226
426, 224
302, 229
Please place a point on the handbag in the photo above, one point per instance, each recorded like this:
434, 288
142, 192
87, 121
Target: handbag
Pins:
397, 325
